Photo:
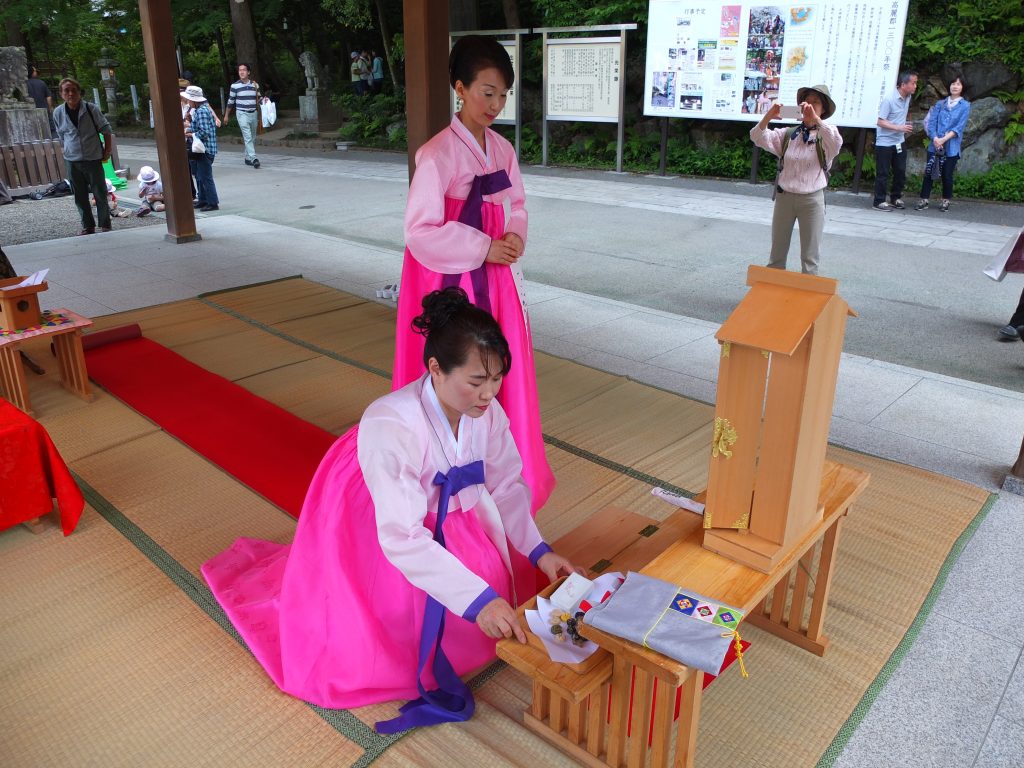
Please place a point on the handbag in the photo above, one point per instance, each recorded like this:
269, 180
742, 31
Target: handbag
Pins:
198, 147
1009, 259
671, 620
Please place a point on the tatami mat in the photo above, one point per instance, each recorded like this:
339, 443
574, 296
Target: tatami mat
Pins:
104, 641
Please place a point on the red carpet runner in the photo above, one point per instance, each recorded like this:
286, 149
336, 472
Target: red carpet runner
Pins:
272, 451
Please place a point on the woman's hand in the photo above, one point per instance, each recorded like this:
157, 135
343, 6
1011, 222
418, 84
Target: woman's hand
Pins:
773, 113
516, 241
808, 116
497, 619
554, 565
502, 252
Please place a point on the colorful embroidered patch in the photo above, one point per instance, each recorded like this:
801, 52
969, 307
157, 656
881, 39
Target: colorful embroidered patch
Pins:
684, 604
728, 618
705, 612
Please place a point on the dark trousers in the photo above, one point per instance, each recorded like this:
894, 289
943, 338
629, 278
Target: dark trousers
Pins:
87, 176
1017, 321
888, 159
206, 189
948, 165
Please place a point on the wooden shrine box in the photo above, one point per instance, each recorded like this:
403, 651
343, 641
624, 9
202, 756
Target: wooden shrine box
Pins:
776, 384
19, 307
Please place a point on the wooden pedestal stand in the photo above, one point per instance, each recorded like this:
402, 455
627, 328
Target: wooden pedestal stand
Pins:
776, 384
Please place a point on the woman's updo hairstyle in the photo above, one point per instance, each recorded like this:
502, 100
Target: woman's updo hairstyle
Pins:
453, 326
474, 53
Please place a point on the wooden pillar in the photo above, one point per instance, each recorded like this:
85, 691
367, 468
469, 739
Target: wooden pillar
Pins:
162, 70
427, 99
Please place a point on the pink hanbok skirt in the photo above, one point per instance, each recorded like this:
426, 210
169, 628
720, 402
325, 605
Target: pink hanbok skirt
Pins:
518, 394
328, 616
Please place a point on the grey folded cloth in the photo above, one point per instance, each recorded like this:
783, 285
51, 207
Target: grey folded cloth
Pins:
669, 619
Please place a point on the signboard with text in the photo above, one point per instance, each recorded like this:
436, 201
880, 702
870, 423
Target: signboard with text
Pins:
582, 79
730, 61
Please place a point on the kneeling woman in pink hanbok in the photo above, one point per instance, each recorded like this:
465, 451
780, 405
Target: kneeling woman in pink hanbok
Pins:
456, 233
399, 578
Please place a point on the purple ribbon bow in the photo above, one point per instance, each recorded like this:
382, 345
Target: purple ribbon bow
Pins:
472, 216
452, 700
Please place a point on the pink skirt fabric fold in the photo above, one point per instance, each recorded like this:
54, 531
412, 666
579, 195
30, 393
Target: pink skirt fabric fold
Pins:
518, 395
328, 617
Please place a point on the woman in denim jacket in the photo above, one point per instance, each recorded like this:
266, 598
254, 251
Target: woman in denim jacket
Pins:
944, 126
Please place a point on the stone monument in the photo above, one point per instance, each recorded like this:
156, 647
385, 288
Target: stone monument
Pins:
107, 67
20, 120
316, 113
309, 112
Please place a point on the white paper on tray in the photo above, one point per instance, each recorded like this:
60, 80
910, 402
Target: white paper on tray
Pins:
566, 651
36, 278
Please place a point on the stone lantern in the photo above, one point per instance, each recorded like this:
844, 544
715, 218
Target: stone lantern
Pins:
107, 67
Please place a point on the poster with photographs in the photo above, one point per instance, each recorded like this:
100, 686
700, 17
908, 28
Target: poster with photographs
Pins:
728, 61
583, 77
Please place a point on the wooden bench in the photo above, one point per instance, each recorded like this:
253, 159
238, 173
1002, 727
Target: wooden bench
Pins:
26, 167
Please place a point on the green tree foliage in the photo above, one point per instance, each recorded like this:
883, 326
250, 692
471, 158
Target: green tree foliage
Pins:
967, 30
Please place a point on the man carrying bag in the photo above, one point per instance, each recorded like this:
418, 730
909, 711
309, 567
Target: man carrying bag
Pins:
80, 126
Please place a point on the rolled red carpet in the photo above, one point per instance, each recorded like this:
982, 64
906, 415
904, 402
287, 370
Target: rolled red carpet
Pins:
262, 445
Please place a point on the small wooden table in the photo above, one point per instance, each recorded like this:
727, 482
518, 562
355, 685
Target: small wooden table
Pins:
67, 341
570, 712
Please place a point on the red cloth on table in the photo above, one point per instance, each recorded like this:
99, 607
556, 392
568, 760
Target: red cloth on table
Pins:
33, 474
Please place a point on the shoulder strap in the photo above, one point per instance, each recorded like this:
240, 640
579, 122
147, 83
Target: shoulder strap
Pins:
92, 119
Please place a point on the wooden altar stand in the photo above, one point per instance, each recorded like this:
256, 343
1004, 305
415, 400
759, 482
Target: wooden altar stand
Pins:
570, 701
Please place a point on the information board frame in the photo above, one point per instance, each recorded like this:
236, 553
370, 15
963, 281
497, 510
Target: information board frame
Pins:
618, 75
772, 49
516, 55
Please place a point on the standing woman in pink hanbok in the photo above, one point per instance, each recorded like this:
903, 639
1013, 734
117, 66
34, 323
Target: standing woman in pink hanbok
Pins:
399, 578
456, 233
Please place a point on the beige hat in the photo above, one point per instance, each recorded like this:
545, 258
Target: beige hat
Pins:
194, 93
826, 98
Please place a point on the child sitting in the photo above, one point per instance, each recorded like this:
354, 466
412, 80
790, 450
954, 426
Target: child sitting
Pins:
151, 191
115, 210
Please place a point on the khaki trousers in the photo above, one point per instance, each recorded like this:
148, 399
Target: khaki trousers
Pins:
807, 210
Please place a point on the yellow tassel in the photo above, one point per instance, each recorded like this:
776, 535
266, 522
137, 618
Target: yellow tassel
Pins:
739, 652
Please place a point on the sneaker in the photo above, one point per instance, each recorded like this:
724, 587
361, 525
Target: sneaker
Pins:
208, 208
248, 161
882, 206
1008, 333
921, 206
898, 204
143, 211
945, 206
255, 162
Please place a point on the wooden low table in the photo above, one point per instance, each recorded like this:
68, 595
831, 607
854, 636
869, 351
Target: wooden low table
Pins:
67, 341
576, 723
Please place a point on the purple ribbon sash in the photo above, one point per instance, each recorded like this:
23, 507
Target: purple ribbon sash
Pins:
452, 701
472, 216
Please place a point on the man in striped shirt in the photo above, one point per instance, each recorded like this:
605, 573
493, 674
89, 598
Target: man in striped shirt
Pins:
245, 95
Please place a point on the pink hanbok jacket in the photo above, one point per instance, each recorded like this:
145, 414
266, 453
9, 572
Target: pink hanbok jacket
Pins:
405, 435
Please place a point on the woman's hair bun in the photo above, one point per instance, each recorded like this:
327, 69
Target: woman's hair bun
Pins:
439, 307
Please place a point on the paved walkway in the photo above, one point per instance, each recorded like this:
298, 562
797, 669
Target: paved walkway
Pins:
599, 245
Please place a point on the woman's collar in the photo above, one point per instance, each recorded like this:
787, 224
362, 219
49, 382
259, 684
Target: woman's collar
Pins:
469, 139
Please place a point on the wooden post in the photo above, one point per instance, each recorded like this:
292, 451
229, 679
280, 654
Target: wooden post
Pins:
861, 139
162, 70
427, 103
